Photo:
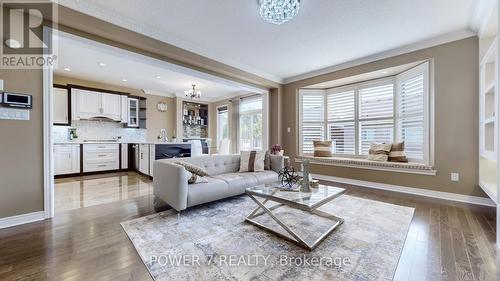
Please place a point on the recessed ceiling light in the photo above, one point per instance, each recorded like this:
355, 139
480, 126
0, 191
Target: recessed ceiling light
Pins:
101, 64
158, 77
384, 72
67, 69
124, 80
13, 43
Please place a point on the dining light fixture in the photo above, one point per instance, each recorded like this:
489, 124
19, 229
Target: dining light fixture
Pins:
193, 93
279, 11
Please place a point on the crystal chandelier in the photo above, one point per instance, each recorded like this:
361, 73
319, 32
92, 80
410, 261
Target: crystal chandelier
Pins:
193, 93
279, 11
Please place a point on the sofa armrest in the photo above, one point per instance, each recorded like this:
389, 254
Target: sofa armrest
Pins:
170, 184
277, 162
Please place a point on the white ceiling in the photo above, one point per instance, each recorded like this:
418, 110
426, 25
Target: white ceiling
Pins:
392, 71
83, 56
326, 33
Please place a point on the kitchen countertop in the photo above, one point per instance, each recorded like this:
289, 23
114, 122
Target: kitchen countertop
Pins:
117, 142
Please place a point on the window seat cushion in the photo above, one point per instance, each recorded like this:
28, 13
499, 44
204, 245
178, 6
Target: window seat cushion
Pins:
416, 168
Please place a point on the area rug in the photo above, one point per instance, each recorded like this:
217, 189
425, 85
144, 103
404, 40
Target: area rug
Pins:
213, 242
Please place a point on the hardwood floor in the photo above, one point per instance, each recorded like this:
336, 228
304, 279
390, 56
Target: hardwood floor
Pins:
79, 192
446, 241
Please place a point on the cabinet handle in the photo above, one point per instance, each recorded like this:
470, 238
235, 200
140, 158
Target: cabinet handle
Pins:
102, 155
101, 147
101, 165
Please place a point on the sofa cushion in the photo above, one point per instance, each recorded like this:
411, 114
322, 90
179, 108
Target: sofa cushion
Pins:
212, 190
238, 182
265, 177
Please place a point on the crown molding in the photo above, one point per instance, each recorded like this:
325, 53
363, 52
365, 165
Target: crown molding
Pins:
435, 41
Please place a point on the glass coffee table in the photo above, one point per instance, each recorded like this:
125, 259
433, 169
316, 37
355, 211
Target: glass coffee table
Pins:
308, 202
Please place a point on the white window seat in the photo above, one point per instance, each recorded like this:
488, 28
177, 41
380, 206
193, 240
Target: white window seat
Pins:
411, 168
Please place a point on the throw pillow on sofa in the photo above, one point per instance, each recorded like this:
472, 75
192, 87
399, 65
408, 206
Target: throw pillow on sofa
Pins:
195, 171
252, 161
397, 153
379, 151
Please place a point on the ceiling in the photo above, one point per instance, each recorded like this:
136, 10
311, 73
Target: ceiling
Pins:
326, 33
392, 71
80, 58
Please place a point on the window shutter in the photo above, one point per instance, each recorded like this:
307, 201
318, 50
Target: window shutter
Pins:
313, 103
376, 115
376, 102
411, 112
341, 116
312, 108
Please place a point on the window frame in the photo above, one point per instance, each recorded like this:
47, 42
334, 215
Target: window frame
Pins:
252, 113
425, 68
218, 134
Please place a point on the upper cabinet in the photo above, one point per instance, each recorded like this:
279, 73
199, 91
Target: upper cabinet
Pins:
92, 104
133, 112
60, 103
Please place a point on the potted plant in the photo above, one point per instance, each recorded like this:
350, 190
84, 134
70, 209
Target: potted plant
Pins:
277, 149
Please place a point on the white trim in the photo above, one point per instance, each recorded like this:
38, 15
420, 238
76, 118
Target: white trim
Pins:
21, 219
483, 201
439, 40
48, 165
405, 170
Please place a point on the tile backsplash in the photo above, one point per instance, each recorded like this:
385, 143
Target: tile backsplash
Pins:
99, 130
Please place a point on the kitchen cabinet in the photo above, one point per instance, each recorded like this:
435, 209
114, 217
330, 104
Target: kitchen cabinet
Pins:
91, 104
133, 112
101, 157
60, 106
144, 158
124, 109
111, 106
151, 158
66, 159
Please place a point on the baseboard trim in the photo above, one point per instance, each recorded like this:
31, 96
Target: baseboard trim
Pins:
411, 190
21, 219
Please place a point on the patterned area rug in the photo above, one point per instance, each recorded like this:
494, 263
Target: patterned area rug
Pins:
213, 242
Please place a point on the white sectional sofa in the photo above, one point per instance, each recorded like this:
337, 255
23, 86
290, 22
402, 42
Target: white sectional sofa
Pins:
171, 180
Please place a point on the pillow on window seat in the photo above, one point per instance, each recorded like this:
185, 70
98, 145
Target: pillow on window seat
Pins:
322, 148
379, 151
397, 153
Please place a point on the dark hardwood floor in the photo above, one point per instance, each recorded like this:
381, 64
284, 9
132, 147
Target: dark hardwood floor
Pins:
446, 241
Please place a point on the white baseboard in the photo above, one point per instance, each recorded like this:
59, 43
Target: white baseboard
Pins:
21, 219
411, 190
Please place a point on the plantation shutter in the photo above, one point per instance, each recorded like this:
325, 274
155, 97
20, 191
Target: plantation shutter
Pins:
411, 112
312, 119
376, 115
341, 121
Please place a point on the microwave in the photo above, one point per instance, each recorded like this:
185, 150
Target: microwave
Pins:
16, 100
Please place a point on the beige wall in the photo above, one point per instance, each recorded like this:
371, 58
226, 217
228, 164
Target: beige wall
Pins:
156, 120
456, 119
21, 160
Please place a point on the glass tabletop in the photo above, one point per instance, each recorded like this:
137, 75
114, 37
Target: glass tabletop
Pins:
303, 200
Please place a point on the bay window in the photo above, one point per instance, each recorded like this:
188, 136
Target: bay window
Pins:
383, 110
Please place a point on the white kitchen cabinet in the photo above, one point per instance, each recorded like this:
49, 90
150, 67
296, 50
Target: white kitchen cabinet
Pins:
133, 112
111, 106
151, 158
124, 153
88, 104
100, 157
144, 159
124, 109
66, 159
60, 98
91, 104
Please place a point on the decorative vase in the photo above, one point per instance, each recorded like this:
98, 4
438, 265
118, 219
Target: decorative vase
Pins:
305, 177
